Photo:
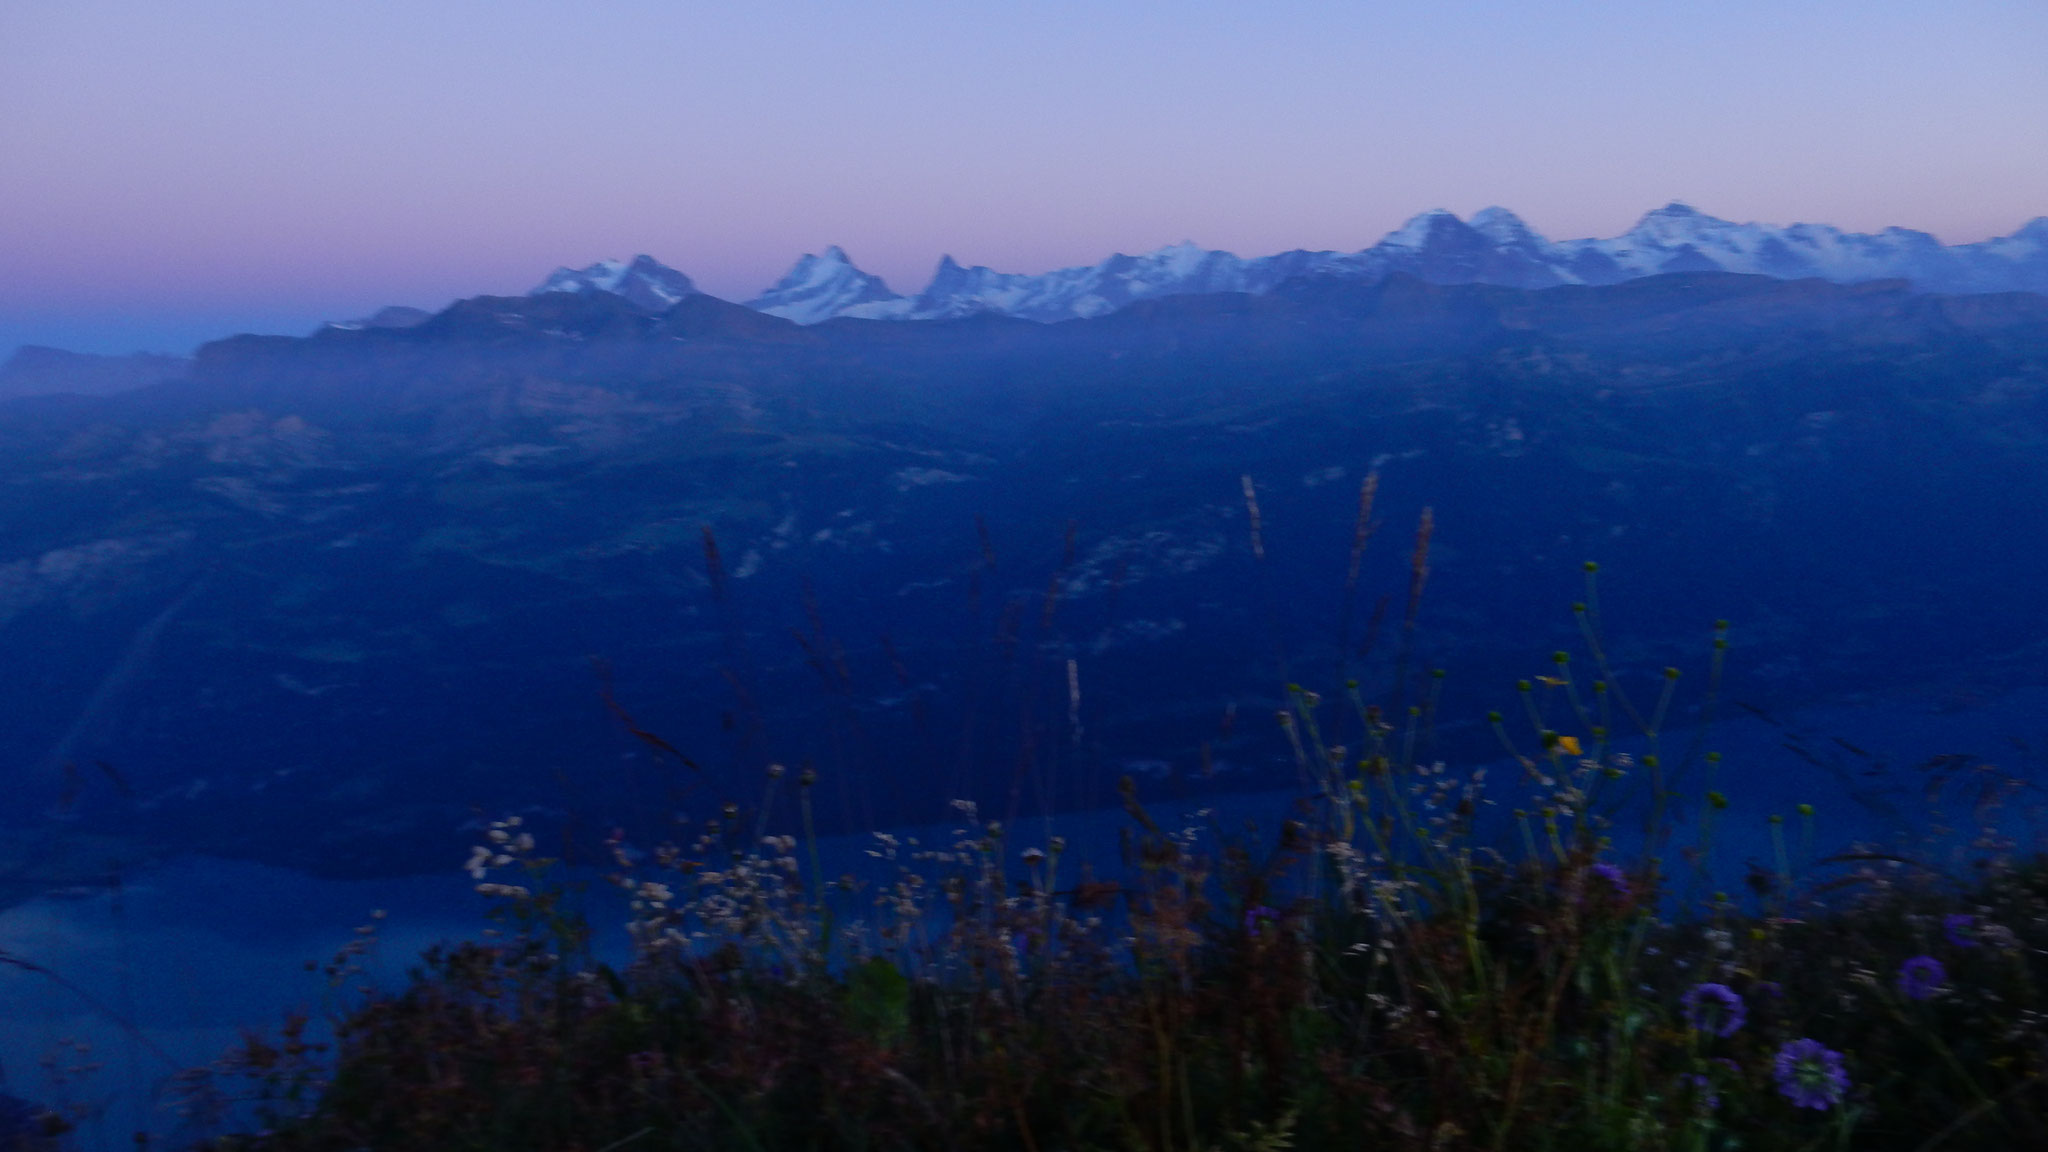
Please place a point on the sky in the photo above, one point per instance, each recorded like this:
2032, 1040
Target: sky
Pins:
172, 173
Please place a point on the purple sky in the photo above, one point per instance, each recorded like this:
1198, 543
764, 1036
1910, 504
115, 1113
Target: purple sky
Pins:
174, 172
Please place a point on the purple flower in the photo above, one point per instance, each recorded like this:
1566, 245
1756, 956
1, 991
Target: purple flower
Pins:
1956, 926
1714, 1008
1921, 977
1704, 1087
1255, 914
1615, 877
1810, 1074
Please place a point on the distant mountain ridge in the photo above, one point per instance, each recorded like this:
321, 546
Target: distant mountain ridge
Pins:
1494, 247
34, 370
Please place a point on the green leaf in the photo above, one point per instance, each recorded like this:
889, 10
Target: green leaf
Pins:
878, 1001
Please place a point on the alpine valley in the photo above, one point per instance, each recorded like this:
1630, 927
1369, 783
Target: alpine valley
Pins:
611, 548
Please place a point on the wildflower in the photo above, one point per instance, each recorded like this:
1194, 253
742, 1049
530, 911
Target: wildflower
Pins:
1616, 879
1704, 1087
1714, 1008
1921, 977
1255, 914
2000, 937
1810, 1074
1957, 926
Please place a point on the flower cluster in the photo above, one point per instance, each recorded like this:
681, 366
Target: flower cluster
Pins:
1922, 977
1810, 1074
1714, 1008
509, 844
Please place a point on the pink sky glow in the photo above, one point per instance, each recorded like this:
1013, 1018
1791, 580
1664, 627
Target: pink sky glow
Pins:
170, 173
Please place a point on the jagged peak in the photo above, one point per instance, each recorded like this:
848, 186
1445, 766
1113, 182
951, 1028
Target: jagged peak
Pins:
1494, 244
646, 280
832, 262
822, 285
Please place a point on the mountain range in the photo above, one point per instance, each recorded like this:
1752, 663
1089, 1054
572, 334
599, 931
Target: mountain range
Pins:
359, 577
1494, 247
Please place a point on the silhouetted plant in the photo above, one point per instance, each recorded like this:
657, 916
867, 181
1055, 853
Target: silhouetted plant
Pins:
1419, 958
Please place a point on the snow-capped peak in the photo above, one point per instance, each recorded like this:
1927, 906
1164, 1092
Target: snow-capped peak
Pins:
645, 281
820, 287
1420, 228
1503, 227
1677, 223
1494, 247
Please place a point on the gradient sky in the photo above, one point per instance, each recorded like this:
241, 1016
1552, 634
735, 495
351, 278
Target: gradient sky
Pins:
173, 172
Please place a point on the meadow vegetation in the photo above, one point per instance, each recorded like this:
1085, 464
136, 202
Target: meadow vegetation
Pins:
1419, 957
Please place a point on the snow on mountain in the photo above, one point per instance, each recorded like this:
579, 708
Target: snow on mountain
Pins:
647, 282
1679, 238
821, 287
1494, 247
2025, 252
1088, 290
1438, 247
1497, 247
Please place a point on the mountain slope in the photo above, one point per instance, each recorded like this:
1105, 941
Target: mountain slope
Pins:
365, 572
